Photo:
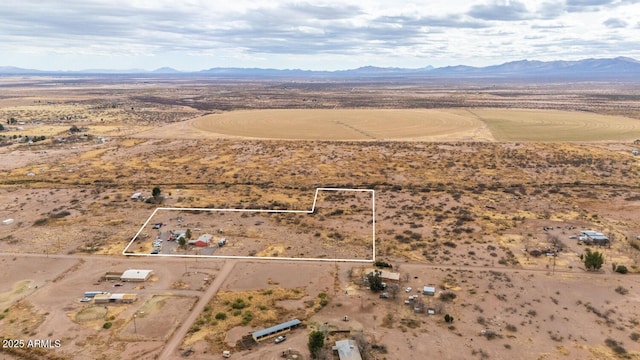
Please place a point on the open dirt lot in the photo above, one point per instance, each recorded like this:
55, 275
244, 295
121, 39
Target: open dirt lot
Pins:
471, 181
268, 232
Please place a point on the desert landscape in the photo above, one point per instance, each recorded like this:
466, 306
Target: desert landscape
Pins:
485, 194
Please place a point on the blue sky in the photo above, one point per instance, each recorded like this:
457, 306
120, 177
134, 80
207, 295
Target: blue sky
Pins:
318, 35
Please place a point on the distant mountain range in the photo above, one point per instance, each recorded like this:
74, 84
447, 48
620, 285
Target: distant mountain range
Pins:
608, 68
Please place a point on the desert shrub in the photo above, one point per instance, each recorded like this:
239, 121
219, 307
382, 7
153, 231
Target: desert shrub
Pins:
411, 323
450, 244
490, 335
635, 336
194, 329
247, 317
40, 222
324, 300
60, 214
382, 348
555, 337
615, 346
622, 269
511, 327
221, 316
239, 304
622, 290
448, 318
447, 296
483, 354
382, 264
107, 325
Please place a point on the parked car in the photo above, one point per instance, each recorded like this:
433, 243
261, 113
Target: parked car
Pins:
155, 251
408, 289
157, 226
117, 284
85, 299
384, 296
280, 339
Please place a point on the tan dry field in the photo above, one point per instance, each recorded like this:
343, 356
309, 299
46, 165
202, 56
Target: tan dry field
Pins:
455, 208
345, 124
411, 125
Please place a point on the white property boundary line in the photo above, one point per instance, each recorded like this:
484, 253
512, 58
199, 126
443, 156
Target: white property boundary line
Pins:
313, 209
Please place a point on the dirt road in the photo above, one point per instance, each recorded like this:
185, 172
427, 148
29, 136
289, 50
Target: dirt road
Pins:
169, 351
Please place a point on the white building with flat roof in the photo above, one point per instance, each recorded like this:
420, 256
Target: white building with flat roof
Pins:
347, 350
136, 275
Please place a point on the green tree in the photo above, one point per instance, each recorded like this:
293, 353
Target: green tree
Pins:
593, 260
448, 318
188, 234
156, 192
375, 281
182, 242
316, 342
1, 127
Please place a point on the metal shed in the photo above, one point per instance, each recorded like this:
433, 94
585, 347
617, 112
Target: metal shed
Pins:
429, 290
275, 330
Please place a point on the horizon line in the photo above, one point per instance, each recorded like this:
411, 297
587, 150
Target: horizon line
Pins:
172, 70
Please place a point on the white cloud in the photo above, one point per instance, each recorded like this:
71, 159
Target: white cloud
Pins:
196, 34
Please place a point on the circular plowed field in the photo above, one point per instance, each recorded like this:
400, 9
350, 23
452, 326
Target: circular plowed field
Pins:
352, 124
406, 125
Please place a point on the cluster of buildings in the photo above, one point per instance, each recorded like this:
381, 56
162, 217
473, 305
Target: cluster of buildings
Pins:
105, 297
347, 349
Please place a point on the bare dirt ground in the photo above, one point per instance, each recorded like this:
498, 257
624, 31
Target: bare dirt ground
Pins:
260, 233
457, 215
